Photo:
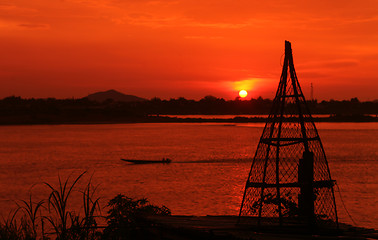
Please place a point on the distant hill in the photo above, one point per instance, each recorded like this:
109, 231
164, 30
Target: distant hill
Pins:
115, 95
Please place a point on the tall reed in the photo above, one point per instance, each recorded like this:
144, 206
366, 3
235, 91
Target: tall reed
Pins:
125, 219
57, 202
10, 229
30, 209
90, 204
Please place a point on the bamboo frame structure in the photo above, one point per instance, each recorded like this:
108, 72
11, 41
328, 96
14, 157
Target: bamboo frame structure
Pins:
289, 181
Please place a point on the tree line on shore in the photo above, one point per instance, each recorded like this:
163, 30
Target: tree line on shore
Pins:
20, 110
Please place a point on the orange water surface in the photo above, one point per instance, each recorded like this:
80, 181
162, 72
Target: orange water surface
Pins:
207, 176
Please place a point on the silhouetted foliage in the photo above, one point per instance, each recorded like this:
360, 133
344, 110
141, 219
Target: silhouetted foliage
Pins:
126, 217
31, 216
28, 222
14, 229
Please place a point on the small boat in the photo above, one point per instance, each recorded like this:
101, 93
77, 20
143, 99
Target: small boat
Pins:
164, 160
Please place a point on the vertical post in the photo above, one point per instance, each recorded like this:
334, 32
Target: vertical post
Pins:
305, 180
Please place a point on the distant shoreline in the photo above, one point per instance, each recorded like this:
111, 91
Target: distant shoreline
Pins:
54, 120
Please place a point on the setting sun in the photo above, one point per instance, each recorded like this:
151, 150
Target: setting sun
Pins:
243, 93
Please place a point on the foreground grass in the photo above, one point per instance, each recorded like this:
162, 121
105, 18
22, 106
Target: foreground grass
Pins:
50, 218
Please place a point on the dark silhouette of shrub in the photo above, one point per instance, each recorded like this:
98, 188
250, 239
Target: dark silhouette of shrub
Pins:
127, 217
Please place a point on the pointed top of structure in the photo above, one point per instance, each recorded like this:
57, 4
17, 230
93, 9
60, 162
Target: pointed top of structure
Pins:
287, 47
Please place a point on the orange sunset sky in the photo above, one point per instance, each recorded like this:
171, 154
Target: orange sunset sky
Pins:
187, 48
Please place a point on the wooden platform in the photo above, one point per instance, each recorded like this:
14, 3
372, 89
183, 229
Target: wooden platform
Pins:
226, 227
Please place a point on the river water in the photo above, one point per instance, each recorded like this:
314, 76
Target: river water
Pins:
210, 164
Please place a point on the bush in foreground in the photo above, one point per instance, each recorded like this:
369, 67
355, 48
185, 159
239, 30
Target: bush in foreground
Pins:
127, 217
51, 219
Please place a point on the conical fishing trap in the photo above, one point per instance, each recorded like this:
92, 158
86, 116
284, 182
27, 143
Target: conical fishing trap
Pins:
290, 181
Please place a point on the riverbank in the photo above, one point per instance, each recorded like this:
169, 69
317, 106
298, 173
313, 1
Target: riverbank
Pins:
103, 119
226, 227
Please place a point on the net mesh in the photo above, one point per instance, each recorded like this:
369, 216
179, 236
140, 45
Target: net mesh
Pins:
274, 187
